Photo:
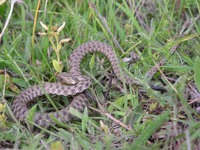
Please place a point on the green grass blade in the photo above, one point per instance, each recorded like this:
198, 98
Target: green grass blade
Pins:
149, 130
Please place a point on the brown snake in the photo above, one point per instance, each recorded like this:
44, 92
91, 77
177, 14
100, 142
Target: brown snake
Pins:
74, 83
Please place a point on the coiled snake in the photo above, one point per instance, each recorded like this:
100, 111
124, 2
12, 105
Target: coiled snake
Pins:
71, 83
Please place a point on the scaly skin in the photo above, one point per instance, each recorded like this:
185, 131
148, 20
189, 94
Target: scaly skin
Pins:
96, 46
19, 106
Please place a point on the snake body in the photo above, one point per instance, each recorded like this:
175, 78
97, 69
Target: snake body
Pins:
19, 106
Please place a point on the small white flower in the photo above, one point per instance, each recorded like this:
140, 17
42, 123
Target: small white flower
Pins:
61, 27
64, 40
44, 26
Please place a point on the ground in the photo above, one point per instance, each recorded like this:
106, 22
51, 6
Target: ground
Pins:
156, 41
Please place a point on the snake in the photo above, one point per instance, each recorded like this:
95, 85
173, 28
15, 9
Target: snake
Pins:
71, 83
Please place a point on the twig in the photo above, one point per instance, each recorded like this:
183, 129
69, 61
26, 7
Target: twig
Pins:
102, 111
35, 19
9, 16
112, 118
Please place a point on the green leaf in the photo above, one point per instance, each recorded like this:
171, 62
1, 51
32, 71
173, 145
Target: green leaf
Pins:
56, 145
85, 120
92, 61
75, 112
31, 113
64, 134
153, 126
183, 69
186, 58
20, 82
58, 66
57, 121
197, 73
118, 103
2, 8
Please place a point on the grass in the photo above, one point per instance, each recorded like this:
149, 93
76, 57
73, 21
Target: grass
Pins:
149, 29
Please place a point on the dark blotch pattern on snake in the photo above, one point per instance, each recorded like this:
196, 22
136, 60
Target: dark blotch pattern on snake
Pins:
19, 106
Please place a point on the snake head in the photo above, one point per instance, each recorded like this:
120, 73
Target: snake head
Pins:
69, 79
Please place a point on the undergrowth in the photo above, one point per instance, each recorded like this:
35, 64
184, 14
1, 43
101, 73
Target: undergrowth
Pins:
142, 33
